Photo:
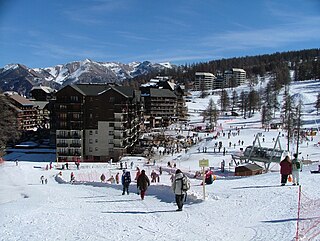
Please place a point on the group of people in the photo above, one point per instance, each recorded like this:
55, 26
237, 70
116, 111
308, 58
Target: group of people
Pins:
290, 167
180, 185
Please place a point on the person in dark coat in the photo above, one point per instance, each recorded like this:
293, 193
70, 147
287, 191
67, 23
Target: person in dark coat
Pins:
125, 180
285, 170
143, 183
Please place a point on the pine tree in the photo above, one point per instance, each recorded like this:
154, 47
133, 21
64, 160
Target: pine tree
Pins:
243, 104
224, 100
234, 100
253, 101
288, 116
266, 115
211, 114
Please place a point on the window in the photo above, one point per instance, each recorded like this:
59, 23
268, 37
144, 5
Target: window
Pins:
90, 149
63, 107
96, 132
76, 116
74, 98
96, 149
63, 124
63, 116
111, 124
96, 140
90, 141
90, 132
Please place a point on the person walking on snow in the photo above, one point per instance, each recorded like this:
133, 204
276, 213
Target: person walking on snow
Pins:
72, 177
143, 183
137, 174
296, 168
178, 188
125, 180
285, 170
117, 178
42, 179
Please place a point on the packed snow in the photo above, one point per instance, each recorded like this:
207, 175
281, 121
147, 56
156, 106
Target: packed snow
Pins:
233, 208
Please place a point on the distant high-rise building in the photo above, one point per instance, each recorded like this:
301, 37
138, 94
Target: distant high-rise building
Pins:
204, 81
234, 77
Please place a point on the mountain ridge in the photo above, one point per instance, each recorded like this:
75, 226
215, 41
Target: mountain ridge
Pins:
20, 78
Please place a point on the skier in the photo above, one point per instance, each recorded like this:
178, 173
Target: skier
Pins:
142, 183
125, 180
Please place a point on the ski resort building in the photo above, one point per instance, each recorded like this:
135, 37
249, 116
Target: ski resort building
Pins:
234, 77
204, 81
96, 122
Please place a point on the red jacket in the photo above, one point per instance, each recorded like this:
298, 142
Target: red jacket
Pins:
285, 168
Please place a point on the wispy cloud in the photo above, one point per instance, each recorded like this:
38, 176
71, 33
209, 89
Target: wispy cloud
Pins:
93, 12
132, 36
306, 29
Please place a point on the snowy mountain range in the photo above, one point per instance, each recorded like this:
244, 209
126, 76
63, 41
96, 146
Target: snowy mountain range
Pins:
20, 78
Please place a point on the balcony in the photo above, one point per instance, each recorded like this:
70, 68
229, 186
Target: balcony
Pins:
75, 145
62, 144
74, 136
69, 153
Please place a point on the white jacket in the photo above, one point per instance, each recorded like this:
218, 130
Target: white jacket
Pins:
177, 184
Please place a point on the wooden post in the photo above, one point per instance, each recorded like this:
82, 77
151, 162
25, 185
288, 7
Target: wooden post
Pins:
203, 184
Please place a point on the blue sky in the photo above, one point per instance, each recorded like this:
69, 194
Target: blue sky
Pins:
43, 33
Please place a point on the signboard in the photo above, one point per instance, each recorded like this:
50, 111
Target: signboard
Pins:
204, 163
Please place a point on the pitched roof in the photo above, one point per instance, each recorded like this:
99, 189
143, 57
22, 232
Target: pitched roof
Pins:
46, 89
21, 100
162, 93
97, 89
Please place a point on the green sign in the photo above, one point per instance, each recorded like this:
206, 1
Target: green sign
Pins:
204, 163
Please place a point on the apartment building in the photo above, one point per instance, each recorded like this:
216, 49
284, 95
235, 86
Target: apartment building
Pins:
153, 114
160, 107
204, 81
234, 77
96, 122
25, 111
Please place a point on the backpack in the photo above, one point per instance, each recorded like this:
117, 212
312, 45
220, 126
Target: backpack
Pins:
298, 165
127, 177
185, 183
